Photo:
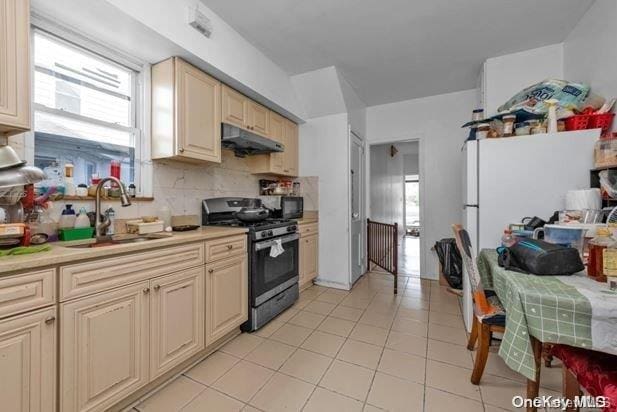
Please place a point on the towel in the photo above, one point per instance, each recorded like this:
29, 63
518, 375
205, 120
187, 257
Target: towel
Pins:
24, 250
277, 248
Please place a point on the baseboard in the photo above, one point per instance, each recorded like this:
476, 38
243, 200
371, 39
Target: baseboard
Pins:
330, 284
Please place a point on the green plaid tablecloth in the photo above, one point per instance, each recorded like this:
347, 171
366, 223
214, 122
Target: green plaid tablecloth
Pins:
541, 306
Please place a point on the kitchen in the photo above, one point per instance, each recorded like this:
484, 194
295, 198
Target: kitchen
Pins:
186, 233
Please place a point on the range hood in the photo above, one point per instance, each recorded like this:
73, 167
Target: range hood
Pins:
245, 143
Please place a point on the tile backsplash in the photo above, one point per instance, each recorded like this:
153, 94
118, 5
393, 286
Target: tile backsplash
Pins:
182, 186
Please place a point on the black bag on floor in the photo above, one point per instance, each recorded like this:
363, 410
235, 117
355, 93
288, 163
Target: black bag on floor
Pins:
451, 262
540, 258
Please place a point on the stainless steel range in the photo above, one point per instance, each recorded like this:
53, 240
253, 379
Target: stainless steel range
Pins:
273, 257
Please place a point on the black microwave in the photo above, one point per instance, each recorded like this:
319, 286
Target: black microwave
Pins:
284, 207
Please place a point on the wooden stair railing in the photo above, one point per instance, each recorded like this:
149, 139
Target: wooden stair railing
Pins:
381, 247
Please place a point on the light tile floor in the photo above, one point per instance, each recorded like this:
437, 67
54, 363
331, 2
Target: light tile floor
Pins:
364, 350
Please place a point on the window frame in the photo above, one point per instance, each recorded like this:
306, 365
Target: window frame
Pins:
140, 90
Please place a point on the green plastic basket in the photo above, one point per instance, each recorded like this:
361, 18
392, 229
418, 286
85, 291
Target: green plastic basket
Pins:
76, 234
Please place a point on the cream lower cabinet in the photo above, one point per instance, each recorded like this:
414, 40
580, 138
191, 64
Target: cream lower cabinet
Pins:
104, 341
226, 296
176, 319
309, 259
28, 362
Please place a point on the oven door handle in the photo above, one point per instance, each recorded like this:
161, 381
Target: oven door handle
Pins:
270, 243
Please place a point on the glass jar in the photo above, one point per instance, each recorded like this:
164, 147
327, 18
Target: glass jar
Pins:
508, 125
597, 247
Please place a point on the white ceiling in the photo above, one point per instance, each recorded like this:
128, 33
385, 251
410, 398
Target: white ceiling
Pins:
394, 50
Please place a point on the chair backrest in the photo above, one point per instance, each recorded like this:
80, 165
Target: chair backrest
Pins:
463, 242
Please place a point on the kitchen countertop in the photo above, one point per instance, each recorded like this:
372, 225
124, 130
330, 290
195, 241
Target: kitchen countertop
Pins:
60, 254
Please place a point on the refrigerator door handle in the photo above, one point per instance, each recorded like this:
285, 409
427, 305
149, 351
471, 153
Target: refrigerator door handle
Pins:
465, 206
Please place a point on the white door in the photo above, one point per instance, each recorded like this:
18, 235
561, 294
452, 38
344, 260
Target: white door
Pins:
470, 217
357, 171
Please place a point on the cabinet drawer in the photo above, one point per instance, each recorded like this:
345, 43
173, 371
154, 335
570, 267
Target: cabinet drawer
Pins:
308, 229
226, 247
20, 293
91, 277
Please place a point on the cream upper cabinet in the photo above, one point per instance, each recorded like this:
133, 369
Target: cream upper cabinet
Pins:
234, 107
28, 362
290, 164
226, 297
257, 118
186, 113
177, 319
14, 66
277, 133
104, 341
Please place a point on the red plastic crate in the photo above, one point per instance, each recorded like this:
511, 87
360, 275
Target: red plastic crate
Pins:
602, 121
577, 122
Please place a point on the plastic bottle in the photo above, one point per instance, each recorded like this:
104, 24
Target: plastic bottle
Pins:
597, 245
111, 215
508, 239
164, 214
82, 219
67, 219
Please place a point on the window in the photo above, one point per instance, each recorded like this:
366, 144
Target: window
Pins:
84, 111
412, 201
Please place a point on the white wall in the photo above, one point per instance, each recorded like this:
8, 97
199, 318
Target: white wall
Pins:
324, 153
411, 164
590, 53
386, 186
436, 121
319, 92
226, 54
356, 108
504, 76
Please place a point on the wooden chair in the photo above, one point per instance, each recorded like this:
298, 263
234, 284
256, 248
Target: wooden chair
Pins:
489, 315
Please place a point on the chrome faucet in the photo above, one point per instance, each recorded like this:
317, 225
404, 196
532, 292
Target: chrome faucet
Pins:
104, 222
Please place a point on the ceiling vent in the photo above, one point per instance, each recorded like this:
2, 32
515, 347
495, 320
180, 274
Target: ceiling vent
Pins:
199, 21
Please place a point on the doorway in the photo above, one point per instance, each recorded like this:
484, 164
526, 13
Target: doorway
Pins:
395, 188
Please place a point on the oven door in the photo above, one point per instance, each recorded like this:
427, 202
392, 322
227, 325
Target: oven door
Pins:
292, 207
271, 275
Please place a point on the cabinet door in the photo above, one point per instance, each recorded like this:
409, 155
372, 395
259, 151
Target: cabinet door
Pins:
257, 117
310, 251
226, 297
234, 107
28, 362
14, 66
177, 319
198, 113
276, 124
290, 166
103, 348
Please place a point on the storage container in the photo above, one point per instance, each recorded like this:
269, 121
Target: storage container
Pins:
605, 153
602, 121
80, 233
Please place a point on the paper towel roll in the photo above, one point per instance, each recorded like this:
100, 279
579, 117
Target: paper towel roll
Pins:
583, 199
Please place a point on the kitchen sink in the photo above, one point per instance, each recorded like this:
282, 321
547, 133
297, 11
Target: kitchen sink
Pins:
113, 241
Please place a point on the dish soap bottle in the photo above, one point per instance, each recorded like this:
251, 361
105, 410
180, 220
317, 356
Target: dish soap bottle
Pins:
597, 247
111, 215
67, 219
82, 219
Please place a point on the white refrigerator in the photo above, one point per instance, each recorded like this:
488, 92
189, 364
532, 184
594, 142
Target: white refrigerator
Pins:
507, 179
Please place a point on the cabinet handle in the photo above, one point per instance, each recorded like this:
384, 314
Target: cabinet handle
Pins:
230, 247
211, 271
146, 291
50, 320
157, 287
181, 150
